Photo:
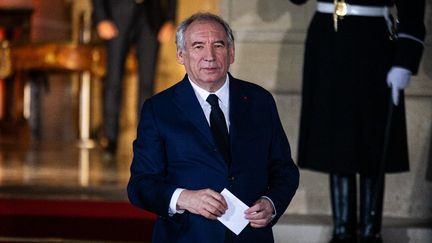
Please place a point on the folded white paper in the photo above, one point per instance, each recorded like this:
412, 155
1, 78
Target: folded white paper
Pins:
234, 218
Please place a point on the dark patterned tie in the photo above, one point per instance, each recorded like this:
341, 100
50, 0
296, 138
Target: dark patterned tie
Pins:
219, 127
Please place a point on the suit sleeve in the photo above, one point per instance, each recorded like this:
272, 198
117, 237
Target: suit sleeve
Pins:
171, 11
100, 11
147, 188
284, 174
411, 32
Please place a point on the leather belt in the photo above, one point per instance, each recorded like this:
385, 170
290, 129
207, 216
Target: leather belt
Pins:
356, 10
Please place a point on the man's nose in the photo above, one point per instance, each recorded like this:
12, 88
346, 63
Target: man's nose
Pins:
209, 54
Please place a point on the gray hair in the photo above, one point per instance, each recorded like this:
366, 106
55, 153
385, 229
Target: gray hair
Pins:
181, 29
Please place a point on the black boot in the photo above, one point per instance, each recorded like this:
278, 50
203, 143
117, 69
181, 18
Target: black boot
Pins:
344, 208
370, 214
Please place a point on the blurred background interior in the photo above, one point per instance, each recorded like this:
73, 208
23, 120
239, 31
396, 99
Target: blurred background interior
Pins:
57, 185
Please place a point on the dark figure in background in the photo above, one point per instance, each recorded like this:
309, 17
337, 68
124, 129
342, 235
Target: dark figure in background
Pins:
123, 23
180, 166
354, 65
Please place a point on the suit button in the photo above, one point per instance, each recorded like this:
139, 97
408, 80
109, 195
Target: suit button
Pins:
231, 178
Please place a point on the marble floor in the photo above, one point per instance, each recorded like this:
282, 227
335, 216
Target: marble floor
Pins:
57, 169
55, 191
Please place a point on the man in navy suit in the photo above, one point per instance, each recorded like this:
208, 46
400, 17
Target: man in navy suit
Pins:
178, 169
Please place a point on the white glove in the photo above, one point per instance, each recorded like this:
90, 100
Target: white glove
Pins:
398, 78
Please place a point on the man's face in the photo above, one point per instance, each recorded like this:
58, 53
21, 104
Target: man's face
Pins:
206, 55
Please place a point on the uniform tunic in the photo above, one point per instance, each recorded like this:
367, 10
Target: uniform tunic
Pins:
345, 96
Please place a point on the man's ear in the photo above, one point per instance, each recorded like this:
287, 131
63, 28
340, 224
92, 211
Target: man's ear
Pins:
179, 56
232, 54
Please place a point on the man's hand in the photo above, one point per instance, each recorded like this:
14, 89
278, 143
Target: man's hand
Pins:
166, 32
398, 78
106, 30
206, 202
260, 214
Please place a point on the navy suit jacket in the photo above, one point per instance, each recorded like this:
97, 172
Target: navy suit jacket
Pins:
174, 148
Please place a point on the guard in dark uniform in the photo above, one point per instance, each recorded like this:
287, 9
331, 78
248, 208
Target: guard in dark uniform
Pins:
357, 63
123, 23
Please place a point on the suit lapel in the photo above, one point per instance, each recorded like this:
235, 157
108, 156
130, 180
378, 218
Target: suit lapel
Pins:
239, 107
185, 99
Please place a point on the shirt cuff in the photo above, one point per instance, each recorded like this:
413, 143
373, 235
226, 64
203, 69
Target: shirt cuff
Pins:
274, 208
173, 203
